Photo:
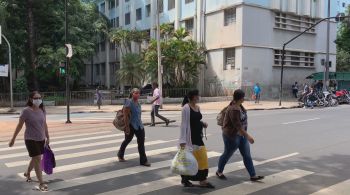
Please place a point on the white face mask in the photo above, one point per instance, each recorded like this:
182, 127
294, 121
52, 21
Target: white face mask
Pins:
37, 102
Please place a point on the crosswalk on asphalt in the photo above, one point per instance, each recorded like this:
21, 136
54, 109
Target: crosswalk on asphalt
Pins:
88, 159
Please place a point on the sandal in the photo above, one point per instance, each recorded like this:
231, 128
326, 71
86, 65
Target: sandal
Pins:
222, 176
28, 178
43, 187
187, 184
121, 159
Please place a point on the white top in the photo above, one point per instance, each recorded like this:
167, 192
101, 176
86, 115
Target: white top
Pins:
185, 131
156, 94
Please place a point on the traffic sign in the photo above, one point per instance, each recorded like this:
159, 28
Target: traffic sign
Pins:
69, 50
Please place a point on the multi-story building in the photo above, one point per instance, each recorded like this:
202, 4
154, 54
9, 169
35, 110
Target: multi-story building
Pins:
243, 38
342, 5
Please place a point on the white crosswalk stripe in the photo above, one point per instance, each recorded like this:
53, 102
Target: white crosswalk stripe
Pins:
104, 161
269, 181
87, 153
69, 141
342, 188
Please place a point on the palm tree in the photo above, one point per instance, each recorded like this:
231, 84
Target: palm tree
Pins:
132, 72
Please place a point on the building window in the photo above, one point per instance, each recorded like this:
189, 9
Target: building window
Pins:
117, 3
295, 58
111, 4
161, 6
103, 46
344, 4
189, 25
103, 8
229, 58
127, 18
293, 22
148, 10
139, 14
188, 1
112, 46
230, 16
127, 0
117, 22
171, 4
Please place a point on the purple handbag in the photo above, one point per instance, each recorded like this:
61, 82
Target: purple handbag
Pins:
48, 162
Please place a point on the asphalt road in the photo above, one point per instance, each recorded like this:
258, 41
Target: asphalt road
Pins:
299, 151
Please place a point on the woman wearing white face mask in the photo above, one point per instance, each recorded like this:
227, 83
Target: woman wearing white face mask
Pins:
36, 131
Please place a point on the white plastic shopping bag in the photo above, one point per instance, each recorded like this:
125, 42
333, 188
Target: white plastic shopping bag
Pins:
184, 163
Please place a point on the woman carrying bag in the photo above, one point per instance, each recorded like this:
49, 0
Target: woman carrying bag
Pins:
191, 138
36, 132
134, 126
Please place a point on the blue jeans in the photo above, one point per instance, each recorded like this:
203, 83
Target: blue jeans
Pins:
231, 145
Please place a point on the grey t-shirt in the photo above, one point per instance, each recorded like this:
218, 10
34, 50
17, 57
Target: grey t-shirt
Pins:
35, 124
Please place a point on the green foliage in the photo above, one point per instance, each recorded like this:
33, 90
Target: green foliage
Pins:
20, 85
181, 59
343, 47
123, 38
85, 26
133, 71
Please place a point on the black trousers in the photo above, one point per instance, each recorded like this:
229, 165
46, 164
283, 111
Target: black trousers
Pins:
140, 135
201, 176
155, 113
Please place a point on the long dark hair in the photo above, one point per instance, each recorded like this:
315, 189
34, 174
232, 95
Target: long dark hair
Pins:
30, 103
189, 97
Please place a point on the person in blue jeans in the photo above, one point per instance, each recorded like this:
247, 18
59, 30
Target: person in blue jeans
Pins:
235, 137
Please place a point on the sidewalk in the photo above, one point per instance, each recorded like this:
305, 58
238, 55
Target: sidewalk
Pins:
217, 106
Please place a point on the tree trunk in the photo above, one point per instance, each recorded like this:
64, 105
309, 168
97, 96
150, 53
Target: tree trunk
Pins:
31, 44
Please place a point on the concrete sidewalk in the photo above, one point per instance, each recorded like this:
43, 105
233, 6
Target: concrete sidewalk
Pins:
217, 106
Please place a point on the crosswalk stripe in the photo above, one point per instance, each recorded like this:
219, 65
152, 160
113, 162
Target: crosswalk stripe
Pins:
114, 174
173, 181
87, 153
69, 141
100, 143
107, 160
269, 181
71, 136
166, 182
342, 188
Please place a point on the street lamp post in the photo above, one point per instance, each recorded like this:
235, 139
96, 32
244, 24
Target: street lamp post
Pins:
159, 54
326, 66
67, 64
339, 17
10, 70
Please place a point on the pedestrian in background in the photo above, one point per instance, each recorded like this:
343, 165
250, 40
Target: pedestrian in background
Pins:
156, 102
191, 137
98, 98
235, 136
257, 93
132, 116
295, 89
36, 135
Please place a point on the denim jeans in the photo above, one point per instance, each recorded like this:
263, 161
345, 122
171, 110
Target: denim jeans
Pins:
231, 145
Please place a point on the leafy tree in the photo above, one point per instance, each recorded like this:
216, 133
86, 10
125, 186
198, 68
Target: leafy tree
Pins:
181, 59
343, 46
133, 71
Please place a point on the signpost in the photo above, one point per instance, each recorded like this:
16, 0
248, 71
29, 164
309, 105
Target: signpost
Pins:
9, 67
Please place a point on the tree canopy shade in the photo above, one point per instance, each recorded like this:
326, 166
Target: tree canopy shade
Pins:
35, 29
343, 46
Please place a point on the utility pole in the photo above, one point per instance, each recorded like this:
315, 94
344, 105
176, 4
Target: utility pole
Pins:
67, 63
326, 66
10, 67
160, 68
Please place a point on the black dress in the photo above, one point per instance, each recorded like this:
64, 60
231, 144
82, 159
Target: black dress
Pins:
197, 139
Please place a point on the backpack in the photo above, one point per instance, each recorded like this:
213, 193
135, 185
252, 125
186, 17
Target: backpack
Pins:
221, 116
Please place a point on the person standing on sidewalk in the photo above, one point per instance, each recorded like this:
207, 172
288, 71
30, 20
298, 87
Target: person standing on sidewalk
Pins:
257, 93
235, 136
36, 135
134, 126
191, 137
156, 102
98, 98
295, 89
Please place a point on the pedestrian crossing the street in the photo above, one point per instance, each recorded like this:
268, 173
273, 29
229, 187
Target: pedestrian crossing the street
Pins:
89, 158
